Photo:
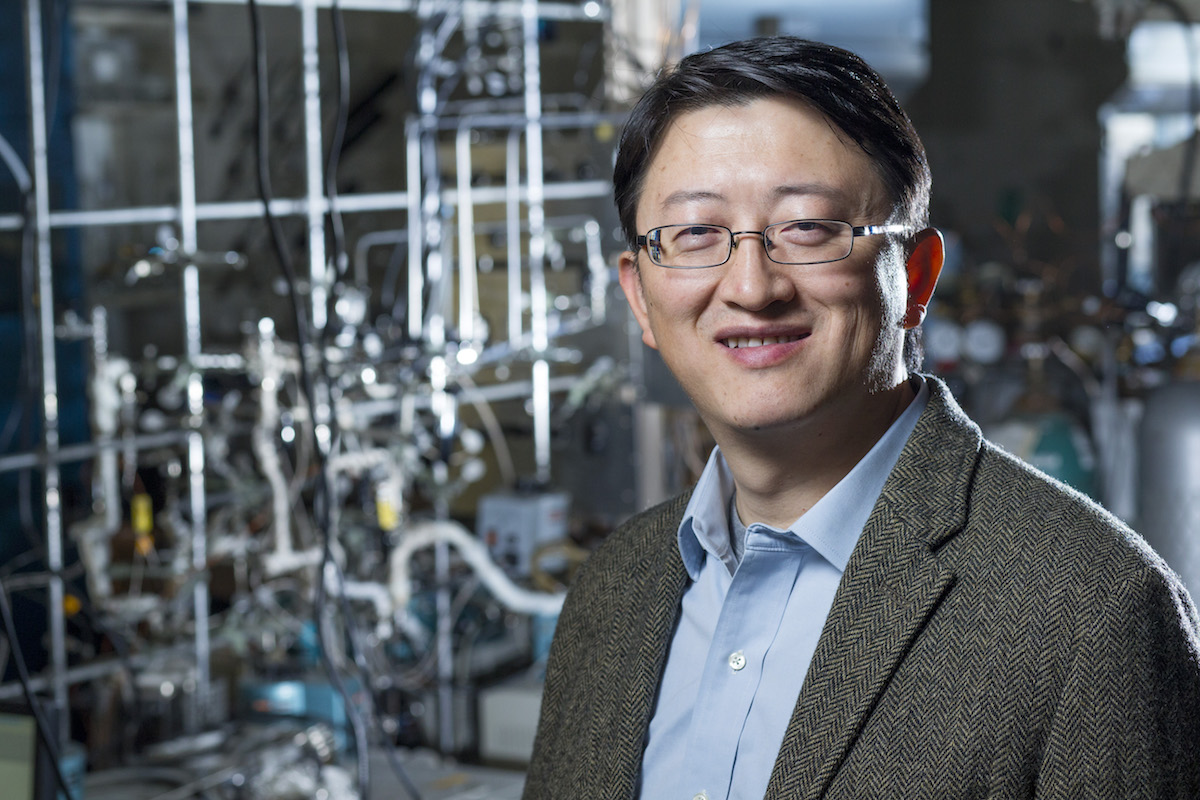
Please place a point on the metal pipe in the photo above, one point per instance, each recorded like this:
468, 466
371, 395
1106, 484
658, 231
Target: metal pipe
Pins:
434, 325
593, 12
535, 182
107, 483
193, 347
416, 231
314, 167
443, 405
364, 245
364, 410
284, 207
317, 204
49, 406
429, 44
512, 201
82, 452
468, 275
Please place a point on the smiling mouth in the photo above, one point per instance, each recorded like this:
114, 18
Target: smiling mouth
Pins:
740, 341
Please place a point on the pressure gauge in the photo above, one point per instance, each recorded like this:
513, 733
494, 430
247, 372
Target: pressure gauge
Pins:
984, 341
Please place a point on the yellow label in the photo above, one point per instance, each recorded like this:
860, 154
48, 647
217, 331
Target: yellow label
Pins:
385, 512
141, 513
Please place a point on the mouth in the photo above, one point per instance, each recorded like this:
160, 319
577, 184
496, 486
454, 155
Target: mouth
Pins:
739, 342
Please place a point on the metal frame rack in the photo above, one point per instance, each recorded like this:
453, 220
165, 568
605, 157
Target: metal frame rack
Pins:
450, 337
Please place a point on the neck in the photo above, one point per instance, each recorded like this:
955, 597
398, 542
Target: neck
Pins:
779, 475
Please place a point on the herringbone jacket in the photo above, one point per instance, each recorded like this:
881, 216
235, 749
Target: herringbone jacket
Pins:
995, 635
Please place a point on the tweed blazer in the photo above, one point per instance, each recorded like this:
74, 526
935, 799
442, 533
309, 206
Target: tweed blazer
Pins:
995, 635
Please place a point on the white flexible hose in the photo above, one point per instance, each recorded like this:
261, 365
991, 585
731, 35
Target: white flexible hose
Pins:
419, 535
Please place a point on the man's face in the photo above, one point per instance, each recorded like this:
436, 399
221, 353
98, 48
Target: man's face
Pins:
761, 346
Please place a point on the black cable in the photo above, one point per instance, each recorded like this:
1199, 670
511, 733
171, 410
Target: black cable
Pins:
20, 174
322, 490
22, 560
263, 175
55, 33
48, 738
30, 355
341, 262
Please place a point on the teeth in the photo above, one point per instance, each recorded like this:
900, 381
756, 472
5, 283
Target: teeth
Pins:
742, 341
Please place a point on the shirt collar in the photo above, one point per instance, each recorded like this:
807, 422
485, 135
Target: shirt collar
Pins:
831, 527
705, 525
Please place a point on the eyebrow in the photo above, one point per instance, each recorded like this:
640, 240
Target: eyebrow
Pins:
685, 196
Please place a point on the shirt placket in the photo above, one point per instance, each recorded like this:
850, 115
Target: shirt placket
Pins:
747, 625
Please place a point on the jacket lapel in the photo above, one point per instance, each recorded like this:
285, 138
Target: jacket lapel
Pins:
651, 593
892, 584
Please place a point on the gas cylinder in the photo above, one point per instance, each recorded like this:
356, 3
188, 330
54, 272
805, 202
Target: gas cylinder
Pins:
1169, 479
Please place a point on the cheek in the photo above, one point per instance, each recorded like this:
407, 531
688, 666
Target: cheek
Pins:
677, 296
859, 292
893, 297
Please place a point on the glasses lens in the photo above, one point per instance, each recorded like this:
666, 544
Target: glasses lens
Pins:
809, 241
689, 246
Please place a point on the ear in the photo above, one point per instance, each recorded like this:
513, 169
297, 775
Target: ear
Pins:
631, 284
924, 266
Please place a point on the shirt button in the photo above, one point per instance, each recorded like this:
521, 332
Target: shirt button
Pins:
737, 660
701, 796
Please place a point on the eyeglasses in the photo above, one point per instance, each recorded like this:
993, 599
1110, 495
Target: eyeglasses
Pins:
797, 241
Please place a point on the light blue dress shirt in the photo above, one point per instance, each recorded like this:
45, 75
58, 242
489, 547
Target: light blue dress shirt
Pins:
749, 625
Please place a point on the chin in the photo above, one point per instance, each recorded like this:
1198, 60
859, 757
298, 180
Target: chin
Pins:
766, 423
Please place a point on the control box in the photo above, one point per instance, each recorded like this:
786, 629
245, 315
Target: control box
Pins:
514, 525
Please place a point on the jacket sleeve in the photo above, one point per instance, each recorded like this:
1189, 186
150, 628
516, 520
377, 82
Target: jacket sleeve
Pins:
1128, 721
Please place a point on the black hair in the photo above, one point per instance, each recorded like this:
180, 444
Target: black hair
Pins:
835, 82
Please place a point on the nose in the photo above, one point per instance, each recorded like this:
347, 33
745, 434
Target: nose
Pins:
751, 280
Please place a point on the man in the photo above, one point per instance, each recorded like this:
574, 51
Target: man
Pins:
861, 597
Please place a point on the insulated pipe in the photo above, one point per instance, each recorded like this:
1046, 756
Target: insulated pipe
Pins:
420, 535
263, 438
598, 270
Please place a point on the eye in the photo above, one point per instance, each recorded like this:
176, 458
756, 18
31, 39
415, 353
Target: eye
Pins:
687, 238
805, 232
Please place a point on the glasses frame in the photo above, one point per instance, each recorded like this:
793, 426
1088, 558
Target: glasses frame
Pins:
856, 231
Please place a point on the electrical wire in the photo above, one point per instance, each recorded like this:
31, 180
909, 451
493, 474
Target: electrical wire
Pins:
11, 160
323, 491
29, 344
364, 672
495, 433
341, 266
54, 59
321, 505
43, 726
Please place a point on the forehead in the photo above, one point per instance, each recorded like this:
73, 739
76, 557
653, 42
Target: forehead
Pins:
760, 156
